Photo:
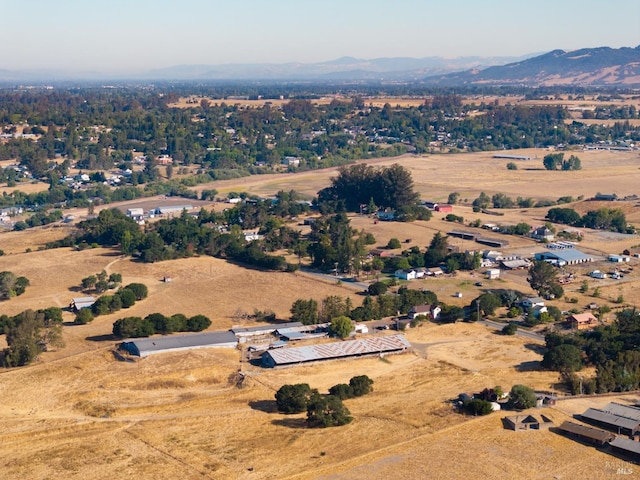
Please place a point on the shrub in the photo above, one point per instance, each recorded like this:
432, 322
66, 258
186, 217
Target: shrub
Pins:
510, 329
198, 323
478, 407
511, 166
393, 244
84, 316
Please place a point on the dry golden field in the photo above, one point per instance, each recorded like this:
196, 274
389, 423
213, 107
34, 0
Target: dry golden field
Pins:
80, 412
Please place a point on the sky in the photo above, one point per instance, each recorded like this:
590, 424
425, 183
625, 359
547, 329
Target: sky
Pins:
128, 36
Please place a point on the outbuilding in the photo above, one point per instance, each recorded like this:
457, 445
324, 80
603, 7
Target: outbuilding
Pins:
586, 434
143, 347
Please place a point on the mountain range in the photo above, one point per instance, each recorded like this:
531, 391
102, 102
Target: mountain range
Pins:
590, 66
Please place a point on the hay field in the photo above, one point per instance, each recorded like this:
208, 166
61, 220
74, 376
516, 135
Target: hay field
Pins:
437, 175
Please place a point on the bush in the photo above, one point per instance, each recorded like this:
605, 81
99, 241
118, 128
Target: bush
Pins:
127, 297
478, 407
511, 166
84, 316
393, 244
294, 398
510, 329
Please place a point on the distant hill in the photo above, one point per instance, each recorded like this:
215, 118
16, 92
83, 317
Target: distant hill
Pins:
341, 69
586, 67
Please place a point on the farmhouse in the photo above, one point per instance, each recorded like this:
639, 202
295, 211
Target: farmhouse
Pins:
79, 303
586, 434
583, 321
569, 256
144, 347
336, 350
542, 233
406, 274
609, 421
531, 302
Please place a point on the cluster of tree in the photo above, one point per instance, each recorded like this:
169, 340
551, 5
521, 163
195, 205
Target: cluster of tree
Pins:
30, 333
543, 278
135, 327
12, 285
124, 298
612, 219
309, 312
480, 404
38, 219
611, 349
555, 161
322, 410
100, 282
363, 185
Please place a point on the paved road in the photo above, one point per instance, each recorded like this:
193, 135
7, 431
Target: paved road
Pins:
519, 332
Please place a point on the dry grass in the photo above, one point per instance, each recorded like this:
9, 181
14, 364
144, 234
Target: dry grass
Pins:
181, 414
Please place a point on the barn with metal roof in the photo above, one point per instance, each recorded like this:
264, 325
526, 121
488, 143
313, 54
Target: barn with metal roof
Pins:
335, 350
622, 410
627, 447
615, 423
264, 329
143, 347
569, 256
588, 434
79, 303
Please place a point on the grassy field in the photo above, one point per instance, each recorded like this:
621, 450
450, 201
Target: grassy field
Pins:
80, 412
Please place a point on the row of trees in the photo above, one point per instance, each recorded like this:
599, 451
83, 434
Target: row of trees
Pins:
125, 297
612, 219
135, 327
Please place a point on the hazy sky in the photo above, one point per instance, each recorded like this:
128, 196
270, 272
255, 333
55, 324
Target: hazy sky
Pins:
134, 35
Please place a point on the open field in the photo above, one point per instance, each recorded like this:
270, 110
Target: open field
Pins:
436, 175
79, 412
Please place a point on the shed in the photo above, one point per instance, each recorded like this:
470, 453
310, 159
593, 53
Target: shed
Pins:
521, 422
79, 303
444, 207
626, 447
587, 434
493, 273
619, 258
609, 421
144, 347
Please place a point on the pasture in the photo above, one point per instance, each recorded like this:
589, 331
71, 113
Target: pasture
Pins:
81, 412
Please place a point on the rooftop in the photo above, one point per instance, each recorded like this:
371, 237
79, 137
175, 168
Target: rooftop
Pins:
147, 346
339, 349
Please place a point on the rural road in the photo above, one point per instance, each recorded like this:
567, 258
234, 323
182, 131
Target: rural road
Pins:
519, 332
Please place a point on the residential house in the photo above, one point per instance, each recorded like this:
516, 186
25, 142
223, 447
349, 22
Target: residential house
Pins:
406, 274
543, 234
532, 302
431, 311
583, 321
